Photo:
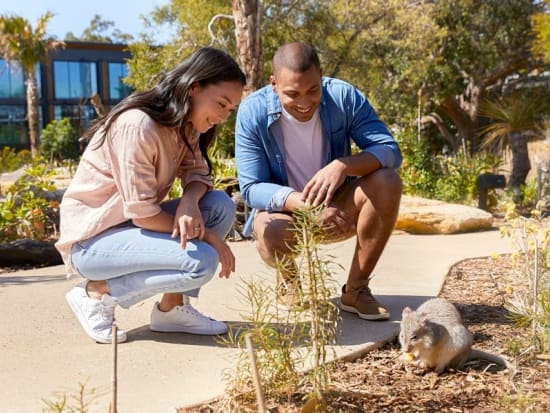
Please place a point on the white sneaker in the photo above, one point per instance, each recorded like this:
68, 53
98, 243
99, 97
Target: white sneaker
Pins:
96, 317
185, 319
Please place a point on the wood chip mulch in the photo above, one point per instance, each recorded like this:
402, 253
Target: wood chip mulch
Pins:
478, 287
379, 382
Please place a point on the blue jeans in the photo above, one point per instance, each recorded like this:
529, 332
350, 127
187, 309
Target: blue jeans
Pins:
138, 263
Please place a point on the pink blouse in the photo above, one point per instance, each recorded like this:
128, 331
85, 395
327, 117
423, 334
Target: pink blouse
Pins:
125, 178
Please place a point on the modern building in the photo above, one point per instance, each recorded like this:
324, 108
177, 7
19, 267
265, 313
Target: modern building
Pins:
66, 81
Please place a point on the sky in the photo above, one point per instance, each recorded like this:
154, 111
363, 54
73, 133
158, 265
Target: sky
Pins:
75, 15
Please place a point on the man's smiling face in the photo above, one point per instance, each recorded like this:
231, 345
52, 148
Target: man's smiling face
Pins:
299, 93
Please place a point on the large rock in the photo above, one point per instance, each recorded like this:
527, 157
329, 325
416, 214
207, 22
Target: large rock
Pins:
426, 216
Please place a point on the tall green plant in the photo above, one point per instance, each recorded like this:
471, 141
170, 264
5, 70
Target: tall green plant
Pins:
276, 334
28, 46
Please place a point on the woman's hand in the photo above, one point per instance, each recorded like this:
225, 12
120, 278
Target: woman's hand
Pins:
188, 223
226, 257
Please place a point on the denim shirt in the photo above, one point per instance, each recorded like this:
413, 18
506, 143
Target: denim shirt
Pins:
346, 116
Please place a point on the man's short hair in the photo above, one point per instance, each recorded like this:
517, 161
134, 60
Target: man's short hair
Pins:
297, 57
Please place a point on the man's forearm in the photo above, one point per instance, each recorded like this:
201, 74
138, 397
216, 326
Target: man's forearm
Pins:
359, 165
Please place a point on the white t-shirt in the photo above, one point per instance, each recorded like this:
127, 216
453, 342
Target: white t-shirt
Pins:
303, 147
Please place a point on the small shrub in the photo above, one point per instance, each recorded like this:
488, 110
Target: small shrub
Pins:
532, 309
10, 160
275, 334
59, 141
26, 211
457, 180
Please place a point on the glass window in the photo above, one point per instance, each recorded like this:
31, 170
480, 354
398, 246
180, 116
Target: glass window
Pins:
11, 80
73, 80
117, 89
13, 125
80, 115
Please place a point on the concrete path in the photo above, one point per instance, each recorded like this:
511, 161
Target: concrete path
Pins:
45, 353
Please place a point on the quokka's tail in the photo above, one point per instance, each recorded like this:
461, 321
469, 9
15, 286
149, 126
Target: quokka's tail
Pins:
490, 357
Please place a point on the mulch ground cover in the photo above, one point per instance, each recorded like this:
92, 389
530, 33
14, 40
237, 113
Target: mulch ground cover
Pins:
380, 382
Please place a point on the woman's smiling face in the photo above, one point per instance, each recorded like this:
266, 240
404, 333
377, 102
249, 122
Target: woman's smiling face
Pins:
299, 93
212, 104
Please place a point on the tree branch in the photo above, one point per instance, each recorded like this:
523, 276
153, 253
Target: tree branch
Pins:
211, 24
436, 119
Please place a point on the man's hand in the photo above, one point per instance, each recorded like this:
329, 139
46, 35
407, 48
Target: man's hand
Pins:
321, 188
337, 222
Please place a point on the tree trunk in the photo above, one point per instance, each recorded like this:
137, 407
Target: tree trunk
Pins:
32, 111
520, 163
249, 42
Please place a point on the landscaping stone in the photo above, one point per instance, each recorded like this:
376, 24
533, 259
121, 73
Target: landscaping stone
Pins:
425, 216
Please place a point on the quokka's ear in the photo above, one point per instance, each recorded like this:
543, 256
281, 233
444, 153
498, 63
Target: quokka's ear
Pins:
406, 311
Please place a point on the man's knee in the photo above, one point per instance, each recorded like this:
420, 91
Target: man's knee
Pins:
383, 187
273, 237
386, 180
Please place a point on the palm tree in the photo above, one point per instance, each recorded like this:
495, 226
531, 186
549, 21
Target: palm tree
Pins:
20, 43
515, 119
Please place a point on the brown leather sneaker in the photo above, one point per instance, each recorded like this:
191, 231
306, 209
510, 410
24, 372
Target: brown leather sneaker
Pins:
360, 301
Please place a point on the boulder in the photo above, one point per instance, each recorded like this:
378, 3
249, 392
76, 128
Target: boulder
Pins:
425, 216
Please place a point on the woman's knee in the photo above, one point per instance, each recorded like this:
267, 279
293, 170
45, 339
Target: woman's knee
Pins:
220, 202
206, 262
218, 211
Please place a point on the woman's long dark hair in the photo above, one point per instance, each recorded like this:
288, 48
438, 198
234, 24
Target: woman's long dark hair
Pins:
168, 103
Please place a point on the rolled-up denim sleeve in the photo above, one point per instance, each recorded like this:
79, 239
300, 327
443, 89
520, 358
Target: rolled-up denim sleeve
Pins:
255, 178
371, 134
388, 156
278, 200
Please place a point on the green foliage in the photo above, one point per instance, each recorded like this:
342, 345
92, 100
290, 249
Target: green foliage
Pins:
97, 32
457, 181
272, 334
541, 27
25, 212
518, 401
59, 141
531, 309
522, 111
430, 60
18, 40
529, 191
450, 178
419, 168
10, 160
189, 20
